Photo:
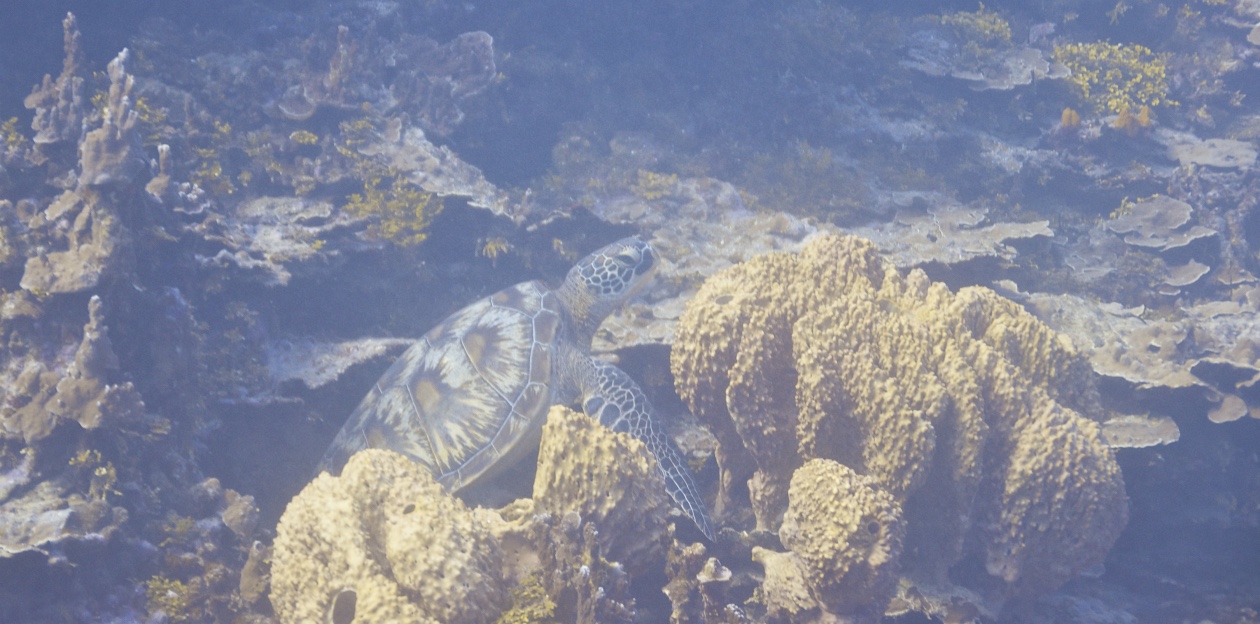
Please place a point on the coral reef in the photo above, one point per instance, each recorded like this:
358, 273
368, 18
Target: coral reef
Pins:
1158, 222
85, 221
197, 267
1222, 153
316, 364
400, 213
1152, 353
976, 47
1112, 78
948, 233
935, 397
81, 393
439, 171
109, 155
351, 71
383, 542
270, 234
60, 106
610, 480
845, 540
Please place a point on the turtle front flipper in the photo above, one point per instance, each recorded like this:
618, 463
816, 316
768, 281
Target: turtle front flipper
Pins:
617, 402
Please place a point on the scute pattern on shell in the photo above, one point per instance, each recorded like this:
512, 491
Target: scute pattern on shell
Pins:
469, 391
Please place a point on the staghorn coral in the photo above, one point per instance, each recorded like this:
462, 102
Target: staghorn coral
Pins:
845, 536
383, 542
942, 400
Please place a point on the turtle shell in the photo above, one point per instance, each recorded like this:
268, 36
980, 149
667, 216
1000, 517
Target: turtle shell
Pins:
470, 395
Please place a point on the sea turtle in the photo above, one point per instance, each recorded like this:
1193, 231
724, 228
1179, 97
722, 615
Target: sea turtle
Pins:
471, 396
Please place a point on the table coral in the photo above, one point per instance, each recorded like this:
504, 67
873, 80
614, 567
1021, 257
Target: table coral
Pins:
954, 405
975, 47
383, 543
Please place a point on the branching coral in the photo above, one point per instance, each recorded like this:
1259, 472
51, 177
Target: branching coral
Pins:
400, 212
981, 30
832, 354
60, 106
1113, 77
110, 154
81, 393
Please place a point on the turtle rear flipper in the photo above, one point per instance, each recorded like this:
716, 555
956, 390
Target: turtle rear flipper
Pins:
617, 402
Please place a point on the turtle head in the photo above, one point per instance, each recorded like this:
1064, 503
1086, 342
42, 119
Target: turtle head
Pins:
606, 279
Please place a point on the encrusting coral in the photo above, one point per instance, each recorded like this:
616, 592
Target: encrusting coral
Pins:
970, 414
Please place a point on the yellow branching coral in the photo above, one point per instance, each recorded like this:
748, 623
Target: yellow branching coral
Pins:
400, 212
209, 173
10, 137
303, 137
963, 408
980, 34
1113, 77
982, 26
653, 186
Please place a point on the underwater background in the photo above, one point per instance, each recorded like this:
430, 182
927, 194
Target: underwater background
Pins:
1001, 364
